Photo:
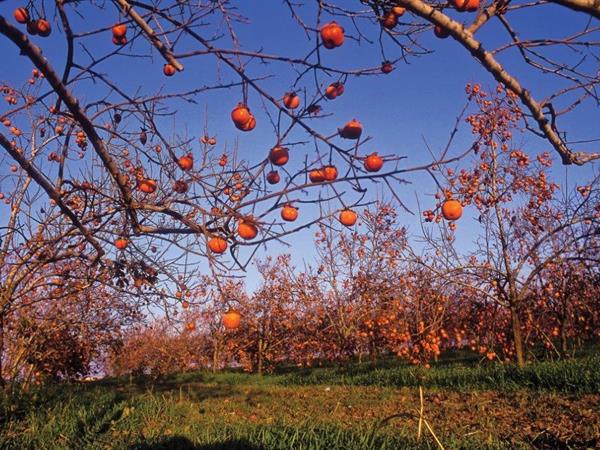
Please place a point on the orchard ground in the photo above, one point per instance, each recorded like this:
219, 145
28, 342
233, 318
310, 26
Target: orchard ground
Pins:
469, 404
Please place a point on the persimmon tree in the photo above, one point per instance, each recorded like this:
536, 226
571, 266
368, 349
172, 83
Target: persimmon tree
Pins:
271, 317
50, 338
163, 190
100, 170
520, 215
356, 274
146, 199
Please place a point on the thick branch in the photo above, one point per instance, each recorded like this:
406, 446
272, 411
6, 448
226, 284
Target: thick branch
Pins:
466, 39
45, 185
34, 53
591, 7
162, 48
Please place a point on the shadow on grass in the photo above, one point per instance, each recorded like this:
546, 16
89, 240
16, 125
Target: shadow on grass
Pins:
195, 391
183, 443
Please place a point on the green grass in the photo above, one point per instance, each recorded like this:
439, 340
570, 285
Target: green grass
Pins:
577, 376
96, 418
568, 376
550, 405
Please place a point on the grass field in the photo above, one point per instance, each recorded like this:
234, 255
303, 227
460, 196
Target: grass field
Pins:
550, 405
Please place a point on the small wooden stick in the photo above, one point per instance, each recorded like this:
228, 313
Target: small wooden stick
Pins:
420, 413
433, 434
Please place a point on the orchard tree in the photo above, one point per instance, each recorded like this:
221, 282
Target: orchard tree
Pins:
272, 317
109, 161
357, 274
123, 188
519, 211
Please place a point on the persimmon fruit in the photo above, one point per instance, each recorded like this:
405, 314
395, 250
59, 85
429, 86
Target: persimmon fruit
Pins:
291, 100
119, 30
452, 209
466, 5
373, 162
352, 130
330, 173
316, 176
289, 213
147, 186
273, 177
332, 35
121, 243
389, 20
279, 156
232, 319
186, 162
440, 32
217, 244
247, 230
21, 15
348, 217
169, 70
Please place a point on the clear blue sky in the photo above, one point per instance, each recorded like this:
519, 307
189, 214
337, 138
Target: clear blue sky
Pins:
417, 102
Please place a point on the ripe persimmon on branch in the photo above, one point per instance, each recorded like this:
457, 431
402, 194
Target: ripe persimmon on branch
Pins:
176, 189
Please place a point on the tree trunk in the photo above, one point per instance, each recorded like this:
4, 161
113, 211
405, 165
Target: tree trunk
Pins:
2, 383
215, 358
517, 337
260, 362
564, 348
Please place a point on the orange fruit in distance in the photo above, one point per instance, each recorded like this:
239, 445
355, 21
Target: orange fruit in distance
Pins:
348, 217
247, 230
191, 326
121, 243
169, 70
147, 186
186, 162
373, 163
119, 30
330, 173
452, 210
21, 15
352, 130
291, 100
240, 115
217, 244
316, 175
273, 177
43, 27
232, 319
289, 213
279, 156
332, 35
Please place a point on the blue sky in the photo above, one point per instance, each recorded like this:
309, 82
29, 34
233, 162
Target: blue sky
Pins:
417, 102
